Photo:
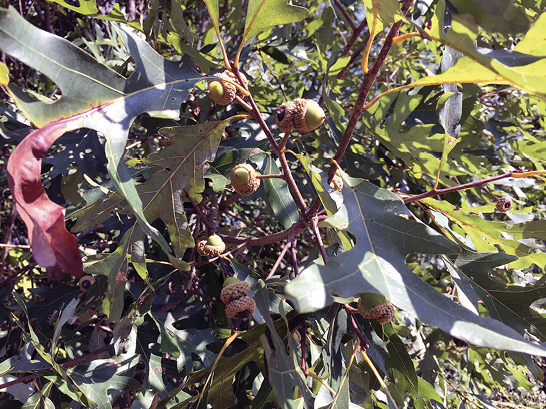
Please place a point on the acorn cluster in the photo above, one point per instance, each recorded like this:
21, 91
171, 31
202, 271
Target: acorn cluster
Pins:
303, 115
223, 92
235, 295
383, 313
213, 246
244, 179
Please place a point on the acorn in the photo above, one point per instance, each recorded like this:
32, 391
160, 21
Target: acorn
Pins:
383, 313
86, 282
303, 115
216, 91
223, 92
337, 181
235, 296
230, 280
213, 246
504, 204
244, 179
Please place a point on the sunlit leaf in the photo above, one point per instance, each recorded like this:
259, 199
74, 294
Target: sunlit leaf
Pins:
376, 264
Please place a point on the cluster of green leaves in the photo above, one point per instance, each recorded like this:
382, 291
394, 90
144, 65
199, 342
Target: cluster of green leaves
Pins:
140, 169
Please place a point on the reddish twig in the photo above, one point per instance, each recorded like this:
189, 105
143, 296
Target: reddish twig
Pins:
345, 14
477, 183
314, 226
278, 261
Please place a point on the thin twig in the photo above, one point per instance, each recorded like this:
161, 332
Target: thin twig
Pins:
273, 75
367, 83
314, 226
477, 183
345, 14
278, 261
294, 257
198, 209
213, 214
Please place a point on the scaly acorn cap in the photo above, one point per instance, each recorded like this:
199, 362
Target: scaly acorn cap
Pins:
244, 179
229, 90
301, 114
284, 116
504, 204
213, 246
383, 313
241, 309
234, 291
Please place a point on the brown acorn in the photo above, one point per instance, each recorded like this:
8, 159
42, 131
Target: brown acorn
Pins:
86, 282
303, 115
235, 296
337, 181
223, 92
213, 246
383, 313
504, 204
244, 179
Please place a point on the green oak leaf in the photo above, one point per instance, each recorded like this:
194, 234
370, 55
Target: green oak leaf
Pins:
264, 14
93, 96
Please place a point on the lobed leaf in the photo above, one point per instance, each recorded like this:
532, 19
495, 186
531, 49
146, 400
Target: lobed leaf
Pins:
96, 97
376, 264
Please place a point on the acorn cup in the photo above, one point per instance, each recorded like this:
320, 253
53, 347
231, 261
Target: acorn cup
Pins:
383, 313
504, 204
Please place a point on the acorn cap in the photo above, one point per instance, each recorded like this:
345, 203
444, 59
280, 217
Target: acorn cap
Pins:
383, 313
284, 116
234, 291
230, 90
504, 204
241, 309
207, 249
244, 179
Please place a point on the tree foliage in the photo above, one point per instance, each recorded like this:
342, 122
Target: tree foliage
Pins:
422, 188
